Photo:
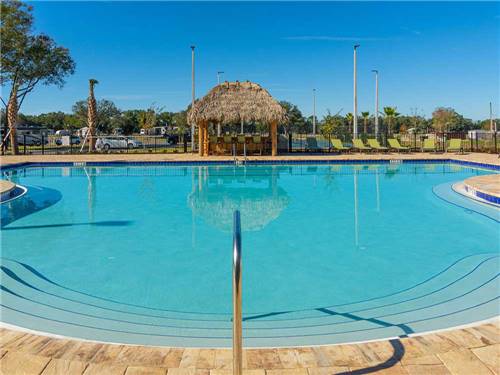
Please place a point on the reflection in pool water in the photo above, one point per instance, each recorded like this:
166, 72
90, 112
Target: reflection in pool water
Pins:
215, 198
37, 198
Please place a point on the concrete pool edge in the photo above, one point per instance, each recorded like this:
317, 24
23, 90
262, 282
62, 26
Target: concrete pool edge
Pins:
484, 166
447, 352
476, 159
486, 188
417, 334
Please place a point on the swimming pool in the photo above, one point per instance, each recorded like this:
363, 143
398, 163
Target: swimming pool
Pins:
332, 253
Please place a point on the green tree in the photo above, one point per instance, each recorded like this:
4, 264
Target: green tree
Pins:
147, 119
390, 114
350, 119
334, 126
52, 120
179, 120
296, 121
366, 117
165, 118
129, 121
27, 60
447, 119
443, 118
106, 113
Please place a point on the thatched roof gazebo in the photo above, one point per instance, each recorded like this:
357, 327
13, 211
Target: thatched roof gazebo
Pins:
233, 102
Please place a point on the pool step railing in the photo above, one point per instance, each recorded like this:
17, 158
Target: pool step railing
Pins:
235, 155
237, 309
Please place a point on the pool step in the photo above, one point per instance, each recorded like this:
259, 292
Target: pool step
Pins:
464, 292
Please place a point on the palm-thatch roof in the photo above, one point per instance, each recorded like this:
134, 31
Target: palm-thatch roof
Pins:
232, 102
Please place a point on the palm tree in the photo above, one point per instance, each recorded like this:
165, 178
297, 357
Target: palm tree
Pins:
366, 116
92, 114
350, 118
12, 108
390, 114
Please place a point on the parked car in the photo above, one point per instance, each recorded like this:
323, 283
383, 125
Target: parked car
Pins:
30, 140
107, 143
74, 139
62, 132
172, 139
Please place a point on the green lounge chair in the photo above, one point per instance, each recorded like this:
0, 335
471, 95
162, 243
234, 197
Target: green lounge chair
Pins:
258, 145
337, 145
455, 145
396, 146
373, 143
312, 144
241, 141
228, 144
213, 141
357, 144
429, 145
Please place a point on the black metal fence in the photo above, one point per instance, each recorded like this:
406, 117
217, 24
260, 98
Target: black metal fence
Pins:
488, 142
287, 143
54, 145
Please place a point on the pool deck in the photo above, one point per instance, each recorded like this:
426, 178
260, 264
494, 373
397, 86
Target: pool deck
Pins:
6, 187
489, 184
468, 351
473, 157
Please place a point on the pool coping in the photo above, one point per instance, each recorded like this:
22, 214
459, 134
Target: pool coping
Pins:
486, 188
291, 161
430, 332
449, 351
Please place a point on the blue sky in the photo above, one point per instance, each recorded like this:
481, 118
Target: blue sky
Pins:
428, 54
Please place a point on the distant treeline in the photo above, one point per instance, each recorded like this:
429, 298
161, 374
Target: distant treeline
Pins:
110, 118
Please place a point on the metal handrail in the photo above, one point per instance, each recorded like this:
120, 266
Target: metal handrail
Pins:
237, 331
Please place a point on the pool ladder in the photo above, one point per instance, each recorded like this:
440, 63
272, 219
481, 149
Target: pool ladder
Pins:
237, 320
235, 158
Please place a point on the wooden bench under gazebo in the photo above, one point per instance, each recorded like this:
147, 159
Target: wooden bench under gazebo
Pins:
235, 103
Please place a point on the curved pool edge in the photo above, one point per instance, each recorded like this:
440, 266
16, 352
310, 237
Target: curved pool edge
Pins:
485, 189
10, 191
11, 327
475, 346
448, 193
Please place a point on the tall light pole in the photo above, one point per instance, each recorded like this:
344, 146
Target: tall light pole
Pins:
218, 77
192, 98
376, 102
314, 111
355, 109
492, 128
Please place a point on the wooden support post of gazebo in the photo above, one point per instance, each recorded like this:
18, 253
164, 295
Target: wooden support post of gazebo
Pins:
274, 138
205, 139
200, 139
237, 102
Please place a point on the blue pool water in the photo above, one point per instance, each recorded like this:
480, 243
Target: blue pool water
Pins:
331, 253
